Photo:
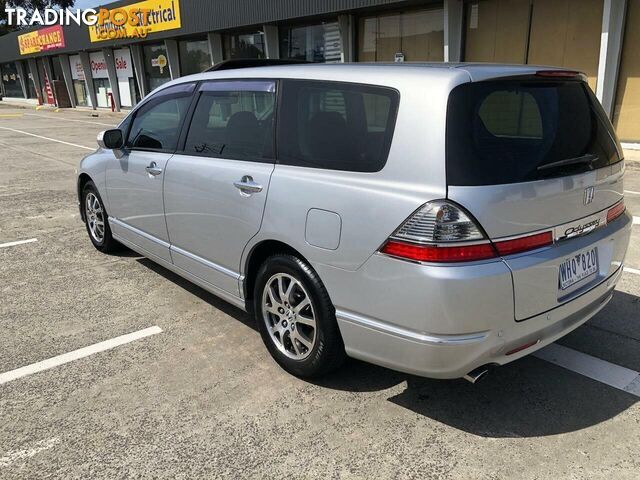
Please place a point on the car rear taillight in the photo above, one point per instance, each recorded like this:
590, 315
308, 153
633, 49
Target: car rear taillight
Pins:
439, 253
443, 232
523, 244
440, 231
616, 211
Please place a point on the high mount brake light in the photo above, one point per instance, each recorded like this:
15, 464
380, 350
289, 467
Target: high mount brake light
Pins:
557, 73
442, 232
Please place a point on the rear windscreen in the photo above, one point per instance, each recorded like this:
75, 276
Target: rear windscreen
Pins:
511, 131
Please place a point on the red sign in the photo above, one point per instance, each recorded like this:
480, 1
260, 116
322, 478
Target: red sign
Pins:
42, 40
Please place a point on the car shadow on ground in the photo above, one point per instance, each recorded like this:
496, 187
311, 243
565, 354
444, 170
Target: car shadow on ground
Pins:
527, 398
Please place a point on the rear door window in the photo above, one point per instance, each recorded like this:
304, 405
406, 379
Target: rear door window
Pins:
336, 126
512, 131
235, 120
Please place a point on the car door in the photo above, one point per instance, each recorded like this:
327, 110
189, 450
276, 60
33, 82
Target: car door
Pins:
215, 188
134, 179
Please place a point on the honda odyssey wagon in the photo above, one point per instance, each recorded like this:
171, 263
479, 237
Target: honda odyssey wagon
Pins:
436, 219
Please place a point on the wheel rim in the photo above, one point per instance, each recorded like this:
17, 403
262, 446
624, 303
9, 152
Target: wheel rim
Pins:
95, 217
288, 313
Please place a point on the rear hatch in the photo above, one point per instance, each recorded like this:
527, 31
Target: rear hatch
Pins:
532, 154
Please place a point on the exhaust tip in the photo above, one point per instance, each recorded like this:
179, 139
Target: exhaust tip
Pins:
476, 375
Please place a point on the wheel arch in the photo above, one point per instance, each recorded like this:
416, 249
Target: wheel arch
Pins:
83, 179
256, 257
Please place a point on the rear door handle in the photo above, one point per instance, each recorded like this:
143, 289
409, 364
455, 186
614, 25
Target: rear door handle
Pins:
153, 169
247, 186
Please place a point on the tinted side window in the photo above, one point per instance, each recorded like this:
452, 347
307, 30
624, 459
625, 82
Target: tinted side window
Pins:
233, 120
337, 126
156, 125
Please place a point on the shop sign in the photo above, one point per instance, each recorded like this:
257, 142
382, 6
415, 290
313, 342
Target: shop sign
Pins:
122, 59
159, 62
77, 73
42, 40
136, 20
98, 65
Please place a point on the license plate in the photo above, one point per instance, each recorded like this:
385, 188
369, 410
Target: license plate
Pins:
578, 267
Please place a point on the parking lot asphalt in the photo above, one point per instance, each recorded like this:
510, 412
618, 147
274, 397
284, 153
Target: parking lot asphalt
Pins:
203, 398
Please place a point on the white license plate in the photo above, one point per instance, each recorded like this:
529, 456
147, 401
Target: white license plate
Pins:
578, 267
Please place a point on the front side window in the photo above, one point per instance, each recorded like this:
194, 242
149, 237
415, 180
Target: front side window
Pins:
156, 125
233, 120
337, 126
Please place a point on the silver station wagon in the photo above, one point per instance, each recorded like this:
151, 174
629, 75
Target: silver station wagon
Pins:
437, 219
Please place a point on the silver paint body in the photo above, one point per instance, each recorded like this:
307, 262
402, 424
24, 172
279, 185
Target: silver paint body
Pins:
433, 320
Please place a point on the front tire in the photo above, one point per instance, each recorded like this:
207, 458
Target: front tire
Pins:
97, 220
296, 318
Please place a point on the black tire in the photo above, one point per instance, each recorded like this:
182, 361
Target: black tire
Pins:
106, 242
327, 352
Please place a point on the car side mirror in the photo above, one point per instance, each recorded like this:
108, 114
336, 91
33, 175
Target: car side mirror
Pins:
111, 139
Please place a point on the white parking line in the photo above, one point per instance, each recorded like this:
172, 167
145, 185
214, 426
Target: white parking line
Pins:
636, 220
71, 120
632, 270
18, 242
17, 455
602, 371
77, 354
632, 192
47, 138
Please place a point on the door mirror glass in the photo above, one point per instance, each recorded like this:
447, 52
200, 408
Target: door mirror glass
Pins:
111, 139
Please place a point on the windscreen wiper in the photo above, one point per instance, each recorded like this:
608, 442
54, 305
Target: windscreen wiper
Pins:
588, 159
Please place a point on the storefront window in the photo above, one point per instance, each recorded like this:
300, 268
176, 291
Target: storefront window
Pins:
402, 36
194, 56
313, 43
244, 45
11, 81
156, 65
127, 87
79, 84
101, 82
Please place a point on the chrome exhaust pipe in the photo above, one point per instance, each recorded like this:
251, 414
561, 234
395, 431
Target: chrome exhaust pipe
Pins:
476, 375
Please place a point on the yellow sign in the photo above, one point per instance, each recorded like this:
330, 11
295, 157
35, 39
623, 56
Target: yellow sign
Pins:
136, 20
41, 40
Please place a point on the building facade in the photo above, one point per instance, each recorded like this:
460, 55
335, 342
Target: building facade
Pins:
109, 66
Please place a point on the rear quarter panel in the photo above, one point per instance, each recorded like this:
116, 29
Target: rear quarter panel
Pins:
370, 205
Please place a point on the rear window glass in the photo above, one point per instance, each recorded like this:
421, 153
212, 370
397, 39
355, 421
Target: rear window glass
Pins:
513, 131
336, 126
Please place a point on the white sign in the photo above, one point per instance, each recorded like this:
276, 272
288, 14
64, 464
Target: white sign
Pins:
76, 67
122, 59
98, 65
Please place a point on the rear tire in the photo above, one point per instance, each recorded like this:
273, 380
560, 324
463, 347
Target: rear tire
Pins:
97, 220
296, 318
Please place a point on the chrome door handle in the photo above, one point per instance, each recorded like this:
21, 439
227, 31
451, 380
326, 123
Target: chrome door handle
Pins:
153, 169
247, 186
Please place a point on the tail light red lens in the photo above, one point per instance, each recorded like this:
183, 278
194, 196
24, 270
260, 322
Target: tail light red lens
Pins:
439, 254
443, 232
615, 211
523, 244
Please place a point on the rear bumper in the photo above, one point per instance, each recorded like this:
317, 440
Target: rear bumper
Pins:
445, 321
453, 356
